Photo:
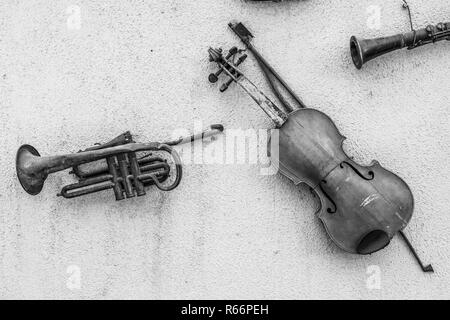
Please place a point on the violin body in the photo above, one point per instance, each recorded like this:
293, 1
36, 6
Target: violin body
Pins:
361, 208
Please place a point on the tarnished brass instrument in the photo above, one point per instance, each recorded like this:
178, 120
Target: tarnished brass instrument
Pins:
361, 207
365, 50
114, 165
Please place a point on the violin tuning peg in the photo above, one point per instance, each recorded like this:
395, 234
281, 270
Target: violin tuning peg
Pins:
241, 59
213, 77
233, 51
226, 85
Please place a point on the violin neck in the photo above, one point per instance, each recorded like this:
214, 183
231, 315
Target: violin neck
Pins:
277, 115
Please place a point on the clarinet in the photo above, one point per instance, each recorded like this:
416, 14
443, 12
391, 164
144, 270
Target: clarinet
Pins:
365, 50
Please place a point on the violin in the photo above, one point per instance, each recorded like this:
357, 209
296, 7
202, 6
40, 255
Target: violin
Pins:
361, 207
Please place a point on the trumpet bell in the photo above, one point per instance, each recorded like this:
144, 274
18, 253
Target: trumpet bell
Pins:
31, 181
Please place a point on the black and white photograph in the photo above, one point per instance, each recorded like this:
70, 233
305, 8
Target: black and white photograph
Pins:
239, 152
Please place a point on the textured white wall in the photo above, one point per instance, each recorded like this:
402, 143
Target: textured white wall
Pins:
226, 232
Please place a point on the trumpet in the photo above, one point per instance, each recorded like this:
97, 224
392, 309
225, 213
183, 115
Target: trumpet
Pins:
112, 165
365, 50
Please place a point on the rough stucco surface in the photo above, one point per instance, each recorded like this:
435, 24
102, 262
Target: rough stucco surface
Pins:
227, 231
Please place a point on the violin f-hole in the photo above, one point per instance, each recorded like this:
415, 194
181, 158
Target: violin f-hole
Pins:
329, 210
370, 173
